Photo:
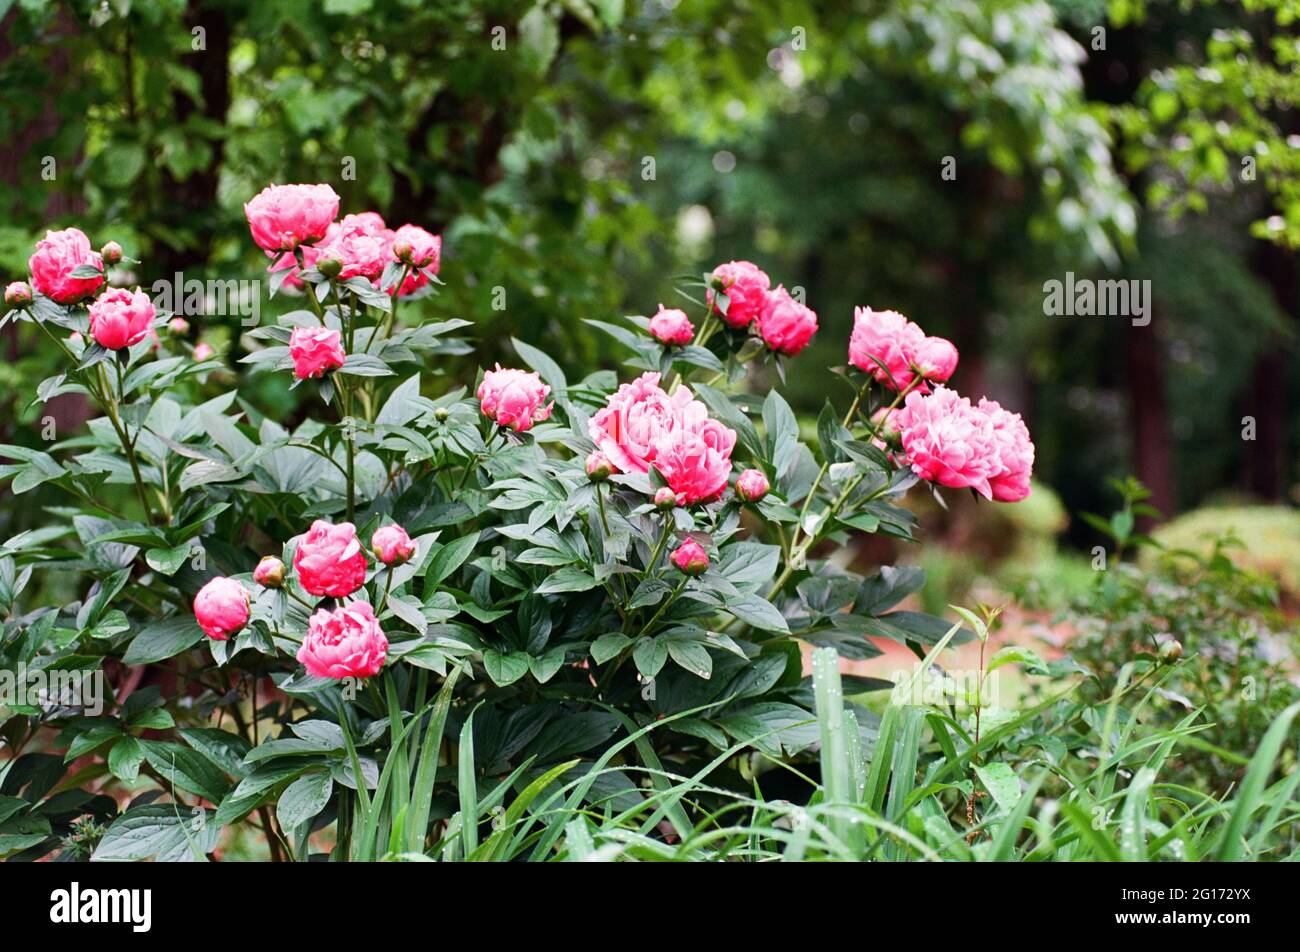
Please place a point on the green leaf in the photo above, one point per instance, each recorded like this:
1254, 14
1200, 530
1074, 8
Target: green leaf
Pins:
650, 654
163, 639
304, 799
365, 365
567, 579
885, 590
505, 669
450, 557
608, 646
691, 655
1002, 783
546, 368
757, 612
187, 769
167, 561
1015, 654
166, 832
125, 758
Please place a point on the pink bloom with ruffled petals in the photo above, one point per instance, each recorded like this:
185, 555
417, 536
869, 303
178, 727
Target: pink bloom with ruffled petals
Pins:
344, 643
745, 285
57, 255
315, 350
948, 441
514, 398
329, 559
282, 217
392, 545
121, 318
1015, 451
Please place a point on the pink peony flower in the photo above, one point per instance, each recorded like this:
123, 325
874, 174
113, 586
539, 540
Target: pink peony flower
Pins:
745, 286
392, 545
935, 359
671, 326
344, 643
221, 607
203, 350
752, 485
786, 325
360, 243
635, 419
329, 559
514, 398
889, 338
641, 426
694, 463
315, 350
282, 217
948, 441
415, 246
121, 318
57, 255
1015, 452
269, 572
690, 558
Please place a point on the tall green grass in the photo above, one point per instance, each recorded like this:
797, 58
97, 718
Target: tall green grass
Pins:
903, 800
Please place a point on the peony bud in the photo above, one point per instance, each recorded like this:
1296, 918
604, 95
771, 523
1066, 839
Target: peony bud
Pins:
690, 558
18, 294
203, 350
752, 485
665, 498
1171, 651
111, 253
330, 265
221, 608
179, 325
392, 545
441, 414
599, 468
269, 572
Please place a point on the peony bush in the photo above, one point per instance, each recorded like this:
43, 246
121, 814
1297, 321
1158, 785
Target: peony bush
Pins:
343, 631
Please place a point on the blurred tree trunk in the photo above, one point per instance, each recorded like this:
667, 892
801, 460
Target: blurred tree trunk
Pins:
1149, 412
1266, 469
190, 203
1114, 78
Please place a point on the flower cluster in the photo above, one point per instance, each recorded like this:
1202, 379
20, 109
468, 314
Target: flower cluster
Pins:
897, 352
784, 324
342, 642
295, 225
